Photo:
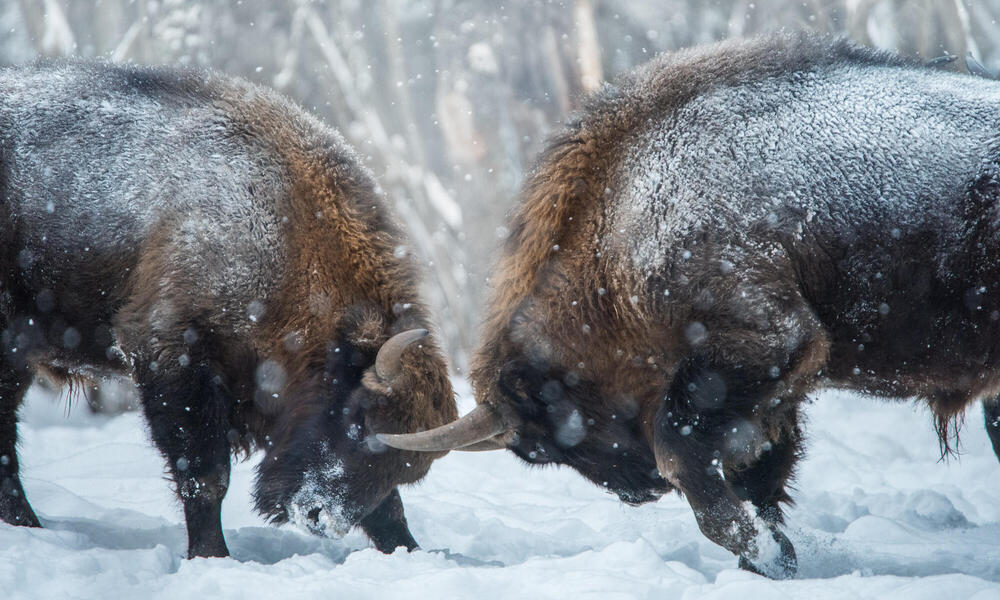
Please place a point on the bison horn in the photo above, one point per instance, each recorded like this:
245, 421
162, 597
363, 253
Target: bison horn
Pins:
473, 432
976, 68
387, 361
484, 446
941, 60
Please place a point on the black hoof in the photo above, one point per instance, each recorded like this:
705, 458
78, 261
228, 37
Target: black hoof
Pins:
14, 509
215, 548
22, 518
782, 566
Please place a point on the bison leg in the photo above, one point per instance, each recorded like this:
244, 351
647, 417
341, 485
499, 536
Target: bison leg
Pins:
386, 525
727, 409
691, 460
14, 507
188, 414
991, 414
762, 482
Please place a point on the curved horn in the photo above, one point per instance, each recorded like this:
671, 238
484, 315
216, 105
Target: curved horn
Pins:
484, 446
481, 424
976, 68
387, 365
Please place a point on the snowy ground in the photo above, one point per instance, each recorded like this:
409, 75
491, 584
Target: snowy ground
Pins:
878, 516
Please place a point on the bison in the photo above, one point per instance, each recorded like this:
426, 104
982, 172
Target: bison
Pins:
722, 231
227, 251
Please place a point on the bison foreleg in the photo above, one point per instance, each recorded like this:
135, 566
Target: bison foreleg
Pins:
734, 418
386, 525
14, 507
187, 409
687, 460
762, 482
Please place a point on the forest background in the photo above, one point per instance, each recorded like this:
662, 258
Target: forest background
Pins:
449, 101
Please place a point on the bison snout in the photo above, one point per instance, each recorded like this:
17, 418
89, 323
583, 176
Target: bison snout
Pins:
317, 519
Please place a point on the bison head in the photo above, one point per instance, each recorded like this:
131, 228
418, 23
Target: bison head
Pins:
324, 469
545, 416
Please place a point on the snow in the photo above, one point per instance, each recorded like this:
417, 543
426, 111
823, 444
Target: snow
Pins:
878, 516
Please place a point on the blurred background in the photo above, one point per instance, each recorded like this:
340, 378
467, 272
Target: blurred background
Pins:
448, 101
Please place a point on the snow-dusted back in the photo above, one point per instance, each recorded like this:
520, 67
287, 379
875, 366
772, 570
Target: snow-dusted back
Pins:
100, 156
840, 144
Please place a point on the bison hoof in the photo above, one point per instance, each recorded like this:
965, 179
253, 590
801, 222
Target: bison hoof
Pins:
776, 560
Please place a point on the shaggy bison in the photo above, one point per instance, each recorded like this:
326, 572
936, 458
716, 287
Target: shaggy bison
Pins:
224, 249
722, 231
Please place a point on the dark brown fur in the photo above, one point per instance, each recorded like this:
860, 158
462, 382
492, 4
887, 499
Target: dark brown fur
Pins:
675, 353
170, 308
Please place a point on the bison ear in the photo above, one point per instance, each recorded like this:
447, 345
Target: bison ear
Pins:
364, 326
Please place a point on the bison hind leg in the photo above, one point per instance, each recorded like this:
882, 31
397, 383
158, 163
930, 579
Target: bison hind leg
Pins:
14, 506
991, 415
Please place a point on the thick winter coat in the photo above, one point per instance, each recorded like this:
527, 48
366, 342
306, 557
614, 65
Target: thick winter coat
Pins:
717, 234
226, 250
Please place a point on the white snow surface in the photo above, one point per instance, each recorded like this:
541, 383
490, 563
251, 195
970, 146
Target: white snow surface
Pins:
878, 516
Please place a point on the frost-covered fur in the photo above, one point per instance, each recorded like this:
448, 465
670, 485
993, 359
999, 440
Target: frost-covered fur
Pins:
727, 228
225, 249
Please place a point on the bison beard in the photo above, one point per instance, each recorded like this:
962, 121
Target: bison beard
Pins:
224, 249
719, 233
